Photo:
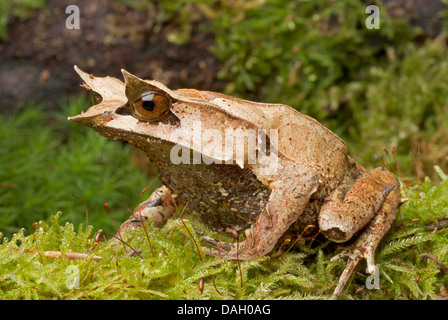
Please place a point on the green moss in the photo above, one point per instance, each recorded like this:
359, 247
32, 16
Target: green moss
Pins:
176, 267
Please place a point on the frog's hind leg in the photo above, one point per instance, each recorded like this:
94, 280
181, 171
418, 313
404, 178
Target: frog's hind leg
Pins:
158, 208
370, 205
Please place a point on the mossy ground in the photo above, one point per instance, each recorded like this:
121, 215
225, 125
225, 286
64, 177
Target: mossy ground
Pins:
176, 267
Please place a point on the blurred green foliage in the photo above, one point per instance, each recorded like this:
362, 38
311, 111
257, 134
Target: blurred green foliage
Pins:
21, 9
45, 158
405, 104
288, 52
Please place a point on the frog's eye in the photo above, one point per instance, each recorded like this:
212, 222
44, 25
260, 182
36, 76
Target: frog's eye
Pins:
151, 107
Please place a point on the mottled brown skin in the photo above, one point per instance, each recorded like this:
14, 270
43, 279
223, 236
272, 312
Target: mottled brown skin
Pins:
315, 181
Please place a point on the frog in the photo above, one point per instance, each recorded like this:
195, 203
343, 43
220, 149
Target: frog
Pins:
295, 175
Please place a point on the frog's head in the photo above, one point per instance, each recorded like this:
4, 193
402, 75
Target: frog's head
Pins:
140, 108
144, 112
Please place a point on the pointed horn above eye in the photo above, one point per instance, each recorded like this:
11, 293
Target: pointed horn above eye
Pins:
134, 86
126, 73
130, 79
84, 75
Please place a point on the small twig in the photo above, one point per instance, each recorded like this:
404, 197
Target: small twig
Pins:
188, 230
430, 256
378, 156
214, 284
122, 241
106, 208
442, 223
87, 210
237, 237
172, 233
182, 220
388, 160
299, 237
141, 220
146, 232
68, 254
396, 163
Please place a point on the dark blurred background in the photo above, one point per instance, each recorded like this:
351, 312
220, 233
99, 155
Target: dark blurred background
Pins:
37, 52
153, 39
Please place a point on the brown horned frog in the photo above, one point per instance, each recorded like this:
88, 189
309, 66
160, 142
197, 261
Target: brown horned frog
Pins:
293, 172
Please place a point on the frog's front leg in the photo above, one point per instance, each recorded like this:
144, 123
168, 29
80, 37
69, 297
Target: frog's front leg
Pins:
370, 205
291, 190
158, 208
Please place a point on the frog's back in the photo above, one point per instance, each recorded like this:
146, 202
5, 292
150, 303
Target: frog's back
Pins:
300, 137
307, 142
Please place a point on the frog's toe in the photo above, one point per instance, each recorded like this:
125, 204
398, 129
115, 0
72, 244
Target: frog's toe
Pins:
234, 251
211, 252
215, 243
349, 268
252, 247
354, 255
225, 250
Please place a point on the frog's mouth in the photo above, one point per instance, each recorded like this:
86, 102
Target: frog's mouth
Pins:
98, 114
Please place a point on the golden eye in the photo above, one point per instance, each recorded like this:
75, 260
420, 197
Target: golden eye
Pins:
151, 107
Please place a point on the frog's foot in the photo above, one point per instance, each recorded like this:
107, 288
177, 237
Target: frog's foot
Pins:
244, 250
354, 255
158, 208
371, 195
